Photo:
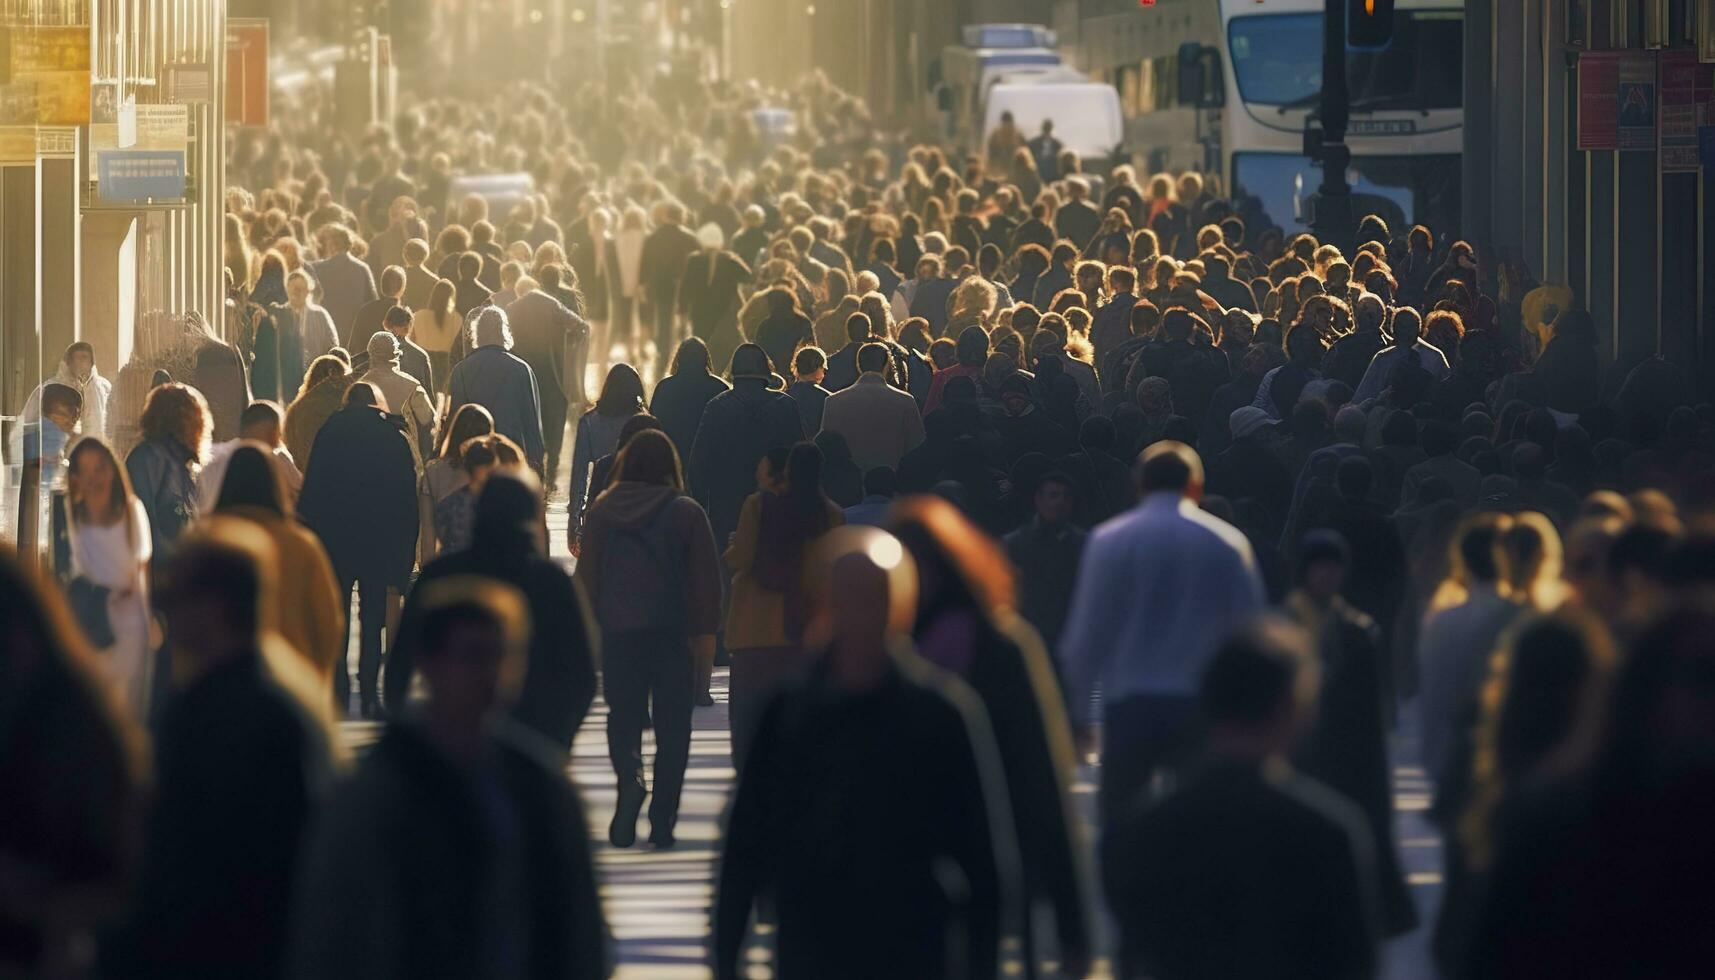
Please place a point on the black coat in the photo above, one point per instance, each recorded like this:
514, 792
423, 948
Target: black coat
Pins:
1241, 873
781, 334
559, 679
739, 427
398, 883
678, 403
852, 827
239, 772
1346, 750
1046, 560
360, 495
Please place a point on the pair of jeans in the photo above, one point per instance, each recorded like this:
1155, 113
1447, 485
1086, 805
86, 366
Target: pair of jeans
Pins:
553, 432
372, 619
639, 668
1142, 735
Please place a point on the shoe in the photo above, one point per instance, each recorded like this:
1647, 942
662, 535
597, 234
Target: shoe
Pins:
705, 700
662, 840
371, 708
622, 832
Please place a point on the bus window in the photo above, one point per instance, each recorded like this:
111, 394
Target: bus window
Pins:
1271, 189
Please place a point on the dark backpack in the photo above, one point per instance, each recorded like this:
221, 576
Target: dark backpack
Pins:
641, 582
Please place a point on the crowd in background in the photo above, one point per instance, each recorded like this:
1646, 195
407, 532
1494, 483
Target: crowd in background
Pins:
957, 462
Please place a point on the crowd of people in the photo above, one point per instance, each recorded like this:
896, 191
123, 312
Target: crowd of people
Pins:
970, 470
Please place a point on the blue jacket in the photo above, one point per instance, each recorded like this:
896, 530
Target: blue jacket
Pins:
505, 386
161, 478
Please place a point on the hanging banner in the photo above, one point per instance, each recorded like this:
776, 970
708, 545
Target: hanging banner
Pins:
1598, 110
247, 71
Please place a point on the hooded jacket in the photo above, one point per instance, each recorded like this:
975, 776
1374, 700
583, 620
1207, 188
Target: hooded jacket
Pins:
629, 506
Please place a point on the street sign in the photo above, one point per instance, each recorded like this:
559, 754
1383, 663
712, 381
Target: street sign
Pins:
137, 176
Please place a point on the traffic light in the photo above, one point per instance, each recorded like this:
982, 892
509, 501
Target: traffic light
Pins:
1369, 23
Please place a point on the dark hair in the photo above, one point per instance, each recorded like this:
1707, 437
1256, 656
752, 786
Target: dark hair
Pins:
972, 347
251, 480
691, 354
650, 458
749, 360
1253, 673
56, 396
858, 327
872, 357
808, 361
1168, 465
260, 412
363, 393
118, 494
206, 568
469, 422
621, 393
881, 481
1478, 544
440, 621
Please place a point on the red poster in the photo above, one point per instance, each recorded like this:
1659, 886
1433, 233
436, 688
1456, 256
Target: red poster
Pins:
247, 72
1598, 105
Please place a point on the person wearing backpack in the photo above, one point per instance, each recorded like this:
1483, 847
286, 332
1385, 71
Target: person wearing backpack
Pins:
765, 623
650, 569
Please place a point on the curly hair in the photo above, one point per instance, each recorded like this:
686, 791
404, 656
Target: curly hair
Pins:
177, 411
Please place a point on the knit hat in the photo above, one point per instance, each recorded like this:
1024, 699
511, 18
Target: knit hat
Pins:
1246, 420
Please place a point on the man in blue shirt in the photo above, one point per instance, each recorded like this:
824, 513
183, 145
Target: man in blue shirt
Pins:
1159, 588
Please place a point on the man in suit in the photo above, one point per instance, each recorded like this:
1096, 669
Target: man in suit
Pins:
661, 267
346, 283
388, 246
541, 326
881, 423
1077, 220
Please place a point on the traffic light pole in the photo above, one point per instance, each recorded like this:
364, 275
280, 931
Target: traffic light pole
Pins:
1334, 221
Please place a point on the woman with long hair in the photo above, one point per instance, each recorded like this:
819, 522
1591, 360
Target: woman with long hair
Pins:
650, 571
444, 475
598, 432
680, 397
320, 396
110, 552
306, 606
967, 623
175, 428
437, 327
765, 621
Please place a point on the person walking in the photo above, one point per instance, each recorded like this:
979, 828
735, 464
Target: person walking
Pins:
711, 291
1158, 587
403, 395
542, 329
502, 383
436, 324
765, 620
1249, 869
597, 435
879, 422
559, 680
681, 396
966, 625
738, 428
929, 830
661, 270
175, 427
445, 475
322, 394
110, 552
513, 883
345, 282
239, 773
650, 568
358, 496
312, 610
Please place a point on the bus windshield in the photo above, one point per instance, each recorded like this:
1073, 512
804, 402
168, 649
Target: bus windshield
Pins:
1277, 59
1272, 189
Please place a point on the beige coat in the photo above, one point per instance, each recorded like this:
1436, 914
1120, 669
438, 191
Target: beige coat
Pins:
756, 616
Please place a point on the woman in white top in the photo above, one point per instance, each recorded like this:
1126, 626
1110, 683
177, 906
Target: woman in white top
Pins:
109, 532
436, 328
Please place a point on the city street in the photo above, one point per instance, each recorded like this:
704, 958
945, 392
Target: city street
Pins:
658, 901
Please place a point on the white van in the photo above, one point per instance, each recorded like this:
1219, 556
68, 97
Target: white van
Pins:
1086, 116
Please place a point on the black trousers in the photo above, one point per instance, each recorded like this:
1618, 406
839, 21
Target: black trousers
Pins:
1142, 735
636, 669
553, 432
372, 619
666, 329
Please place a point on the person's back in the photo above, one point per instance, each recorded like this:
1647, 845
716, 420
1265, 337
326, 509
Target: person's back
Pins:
895, 814
1243, 873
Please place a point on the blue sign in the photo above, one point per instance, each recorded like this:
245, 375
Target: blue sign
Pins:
136, 176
